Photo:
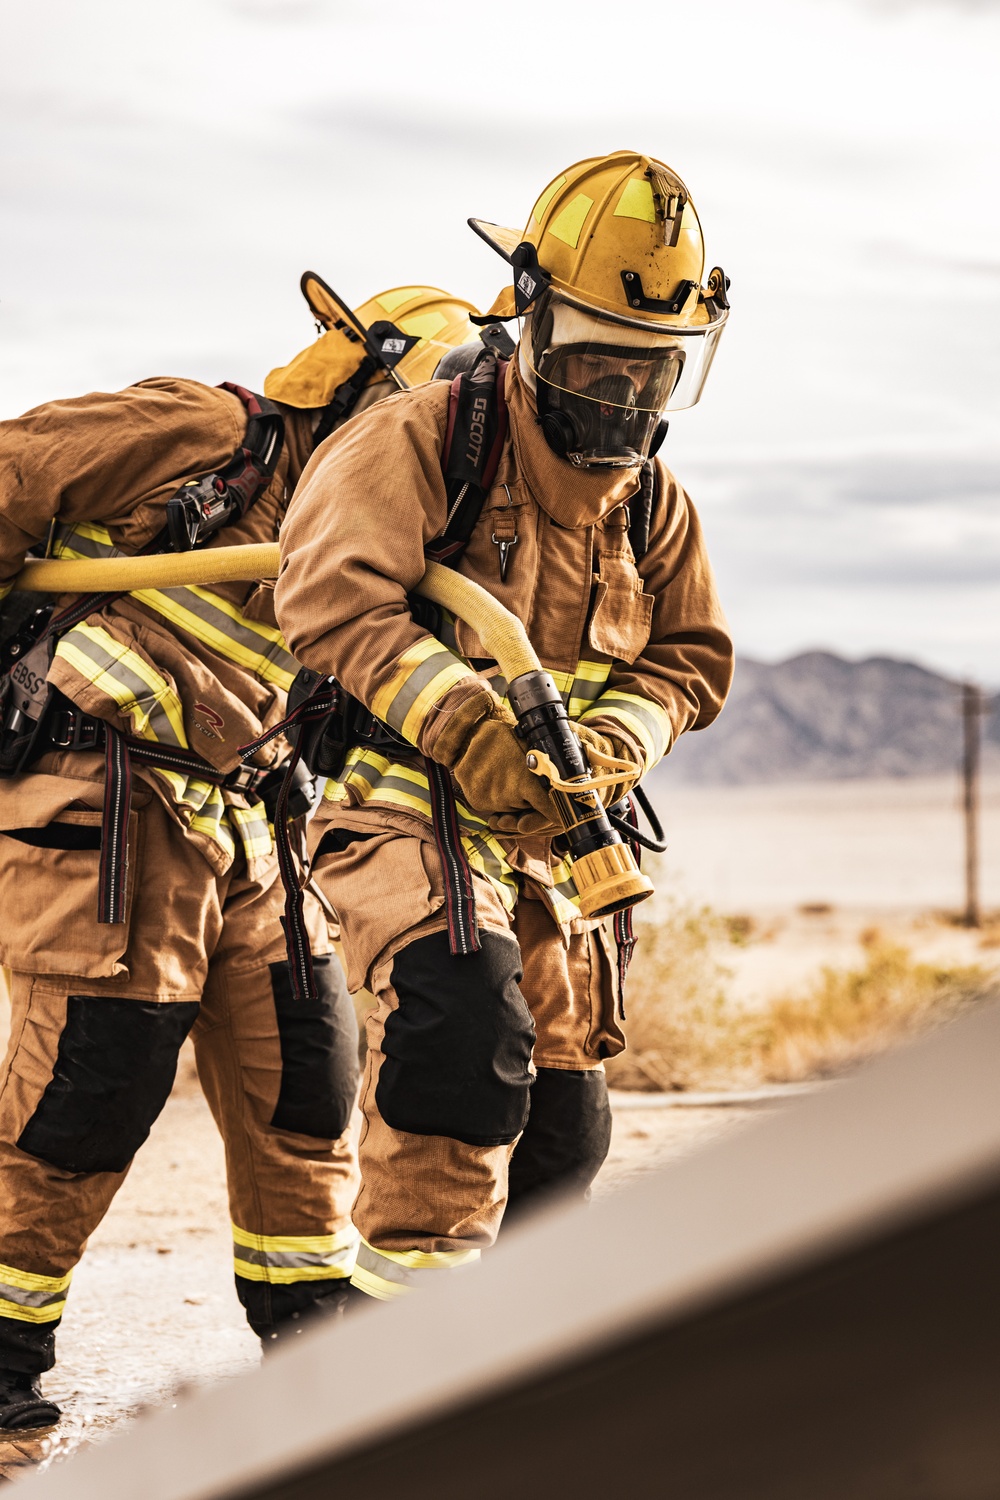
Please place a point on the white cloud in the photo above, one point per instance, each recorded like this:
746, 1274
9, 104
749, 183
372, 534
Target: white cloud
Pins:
168, 172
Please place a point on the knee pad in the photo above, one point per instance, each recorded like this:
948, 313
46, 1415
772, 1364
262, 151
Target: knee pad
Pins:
114, 1069
457, 1049
566, 1139
319, 1053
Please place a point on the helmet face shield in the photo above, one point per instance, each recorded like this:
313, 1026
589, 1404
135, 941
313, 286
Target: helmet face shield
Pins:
611, 381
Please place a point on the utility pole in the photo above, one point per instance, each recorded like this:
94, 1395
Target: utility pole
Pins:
972, 710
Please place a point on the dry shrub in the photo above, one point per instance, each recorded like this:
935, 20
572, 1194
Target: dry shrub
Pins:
678, 1022
684, 1032
849, 1014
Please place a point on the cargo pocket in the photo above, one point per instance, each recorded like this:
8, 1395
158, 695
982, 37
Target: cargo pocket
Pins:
319, 1053
113, 1072
49, 870
380, 887
621, 619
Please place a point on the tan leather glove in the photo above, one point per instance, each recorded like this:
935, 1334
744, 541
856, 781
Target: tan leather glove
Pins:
479, 747
619, 749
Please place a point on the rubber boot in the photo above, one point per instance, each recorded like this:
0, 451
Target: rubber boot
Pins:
564, 1143
23, 1408
331, 1308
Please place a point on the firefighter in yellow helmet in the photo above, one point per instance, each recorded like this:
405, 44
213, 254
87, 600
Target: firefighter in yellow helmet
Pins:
138, 876
498, 994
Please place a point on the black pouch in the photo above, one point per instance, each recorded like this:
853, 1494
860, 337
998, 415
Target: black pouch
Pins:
26, 698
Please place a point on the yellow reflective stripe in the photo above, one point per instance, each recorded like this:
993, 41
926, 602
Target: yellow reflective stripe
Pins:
207, 616
373, 776
426, 671
299, 1258
387, 1274
425, 1260
286, 1275
281, 1259
84, 539
276, 665
212, 821
313, 1244
5, 589
574, 685
252, 826
569, 221
587, 683
93, 531
138, 689
33, 1281
22, 1314
641, 717
28, 1297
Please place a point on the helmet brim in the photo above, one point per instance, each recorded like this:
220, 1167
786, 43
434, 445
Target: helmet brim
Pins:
503, 241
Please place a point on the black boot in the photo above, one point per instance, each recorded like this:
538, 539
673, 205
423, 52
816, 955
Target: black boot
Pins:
23, 1408
333, 1306
564, 1143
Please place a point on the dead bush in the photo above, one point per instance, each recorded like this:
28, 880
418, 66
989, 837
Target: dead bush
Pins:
685, 1032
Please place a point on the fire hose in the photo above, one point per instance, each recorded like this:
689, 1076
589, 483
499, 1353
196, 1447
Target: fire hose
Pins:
605, 870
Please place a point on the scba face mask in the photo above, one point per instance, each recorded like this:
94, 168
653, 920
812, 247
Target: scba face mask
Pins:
602, 385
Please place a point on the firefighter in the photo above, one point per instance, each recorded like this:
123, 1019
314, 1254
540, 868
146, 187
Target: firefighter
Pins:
138, 876
496, 1035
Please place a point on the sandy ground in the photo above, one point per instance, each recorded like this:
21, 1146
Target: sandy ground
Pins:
814, 868
877, 845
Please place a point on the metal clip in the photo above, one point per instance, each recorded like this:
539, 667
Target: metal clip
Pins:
503, 544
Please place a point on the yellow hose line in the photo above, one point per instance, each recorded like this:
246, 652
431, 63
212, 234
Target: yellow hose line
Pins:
502, 634
167, 570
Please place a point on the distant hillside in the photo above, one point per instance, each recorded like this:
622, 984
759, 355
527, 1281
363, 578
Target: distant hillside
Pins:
819, 717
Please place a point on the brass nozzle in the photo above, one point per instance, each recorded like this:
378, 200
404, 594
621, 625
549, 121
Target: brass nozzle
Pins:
608, 880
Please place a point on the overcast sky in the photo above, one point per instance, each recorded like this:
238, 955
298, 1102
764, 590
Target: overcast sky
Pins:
169, 170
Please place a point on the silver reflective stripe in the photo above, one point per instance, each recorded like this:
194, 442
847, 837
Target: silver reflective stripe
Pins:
17, 1294
414, 685
294, 1259
145, 697
232, 636
390, 1270
71, 539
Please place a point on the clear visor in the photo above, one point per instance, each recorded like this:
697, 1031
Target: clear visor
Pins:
617, 365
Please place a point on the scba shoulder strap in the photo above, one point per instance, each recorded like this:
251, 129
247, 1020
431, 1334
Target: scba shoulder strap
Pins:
474, 439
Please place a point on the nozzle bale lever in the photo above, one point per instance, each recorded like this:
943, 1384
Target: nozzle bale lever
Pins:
604, 869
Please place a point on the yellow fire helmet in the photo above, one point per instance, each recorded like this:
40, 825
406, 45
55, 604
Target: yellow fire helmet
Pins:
399, 335
617, 325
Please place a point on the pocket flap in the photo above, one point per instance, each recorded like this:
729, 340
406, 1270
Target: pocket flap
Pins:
620, 621
33, 800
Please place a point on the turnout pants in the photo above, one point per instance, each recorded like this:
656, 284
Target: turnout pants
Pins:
99, 1014
484, 1080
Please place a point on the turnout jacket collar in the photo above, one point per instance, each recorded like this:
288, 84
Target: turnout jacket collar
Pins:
571, 497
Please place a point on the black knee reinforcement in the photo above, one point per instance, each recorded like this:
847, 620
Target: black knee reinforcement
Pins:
565, 1140
319, 1053
115, 1067
457, 1048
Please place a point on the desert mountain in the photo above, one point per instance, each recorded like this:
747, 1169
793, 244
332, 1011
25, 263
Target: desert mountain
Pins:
818, 716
